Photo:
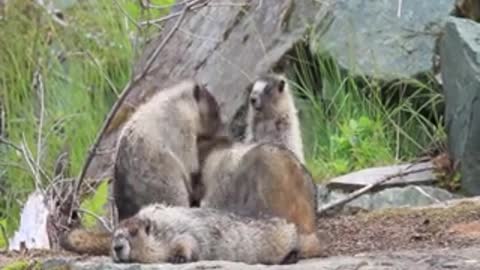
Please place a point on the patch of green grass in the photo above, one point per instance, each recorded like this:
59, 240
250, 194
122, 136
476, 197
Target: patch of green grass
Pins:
95, 204
353, 123
19, 265
83, 67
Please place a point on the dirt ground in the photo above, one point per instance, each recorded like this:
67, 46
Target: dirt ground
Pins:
387, 230
399, 229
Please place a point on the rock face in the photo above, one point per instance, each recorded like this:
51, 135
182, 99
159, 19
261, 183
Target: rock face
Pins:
368, 38
460, 67
466, 259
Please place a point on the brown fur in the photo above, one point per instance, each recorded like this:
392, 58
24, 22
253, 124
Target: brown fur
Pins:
157, 153
87, 242
267, 180
468, 9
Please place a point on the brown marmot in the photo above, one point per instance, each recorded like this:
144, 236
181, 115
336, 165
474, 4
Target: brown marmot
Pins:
272, 115
261, 180
175, 234
157, 149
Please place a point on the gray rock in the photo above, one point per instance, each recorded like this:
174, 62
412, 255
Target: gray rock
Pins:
460, 57
421, 173
367, 37
410, 196
465, 258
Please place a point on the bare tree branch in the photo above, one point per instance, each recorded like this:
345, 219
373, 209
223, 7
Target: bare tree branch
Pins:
367, 188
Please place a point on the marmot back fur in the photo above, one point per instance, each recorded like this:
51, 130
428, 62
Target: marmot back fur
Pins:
272, 115
261, 180
157, 149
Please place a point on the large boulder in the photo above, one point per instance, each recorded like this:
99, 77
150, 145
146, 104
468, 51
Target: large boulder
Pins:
368, 38
460, 67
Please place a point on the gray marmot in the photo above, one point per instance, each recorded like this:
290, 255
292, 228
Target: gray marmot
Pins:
272, 115
157, 149
261, 180
176, 234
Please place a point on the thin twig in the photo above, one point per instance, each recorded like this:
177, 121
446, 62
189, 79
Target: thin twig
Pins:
105, 76
10, 144
132, 20
191, 6
148, 5
104, 223
39, 88
121, 99
424, 193
367, 188
27, 154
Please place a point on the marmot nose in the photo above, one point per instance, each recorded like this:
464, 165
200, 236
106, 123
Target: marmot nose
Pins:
118, 248
255, 101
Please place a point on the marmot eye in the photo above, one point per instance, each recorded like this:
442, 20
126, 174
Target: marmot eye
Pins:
148, 226
281, 86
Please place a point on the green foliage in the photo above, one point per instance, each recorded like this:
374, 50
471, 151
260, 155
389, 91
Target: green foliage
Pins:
3, 233
351, 123
83, 65
18, 265
357, 145
95, 204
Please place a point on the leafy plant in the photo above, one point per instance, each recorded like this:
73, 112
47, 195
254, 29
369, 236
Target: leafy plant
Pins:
82, 67
350, 123
95, 204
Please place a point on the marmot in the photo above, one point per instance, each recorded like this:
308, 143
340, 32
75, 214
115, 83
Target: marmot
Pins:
272, 115
157, 149
261, 180
176, 234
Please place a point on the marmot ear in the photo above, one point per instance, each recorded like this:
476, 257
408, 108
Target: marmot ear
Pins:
197, 92
281, 86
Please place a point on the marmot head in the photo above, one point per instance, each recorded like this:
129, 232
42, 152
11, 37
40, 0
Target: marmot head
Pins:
210, 120
143, 240
267, 93
130, 240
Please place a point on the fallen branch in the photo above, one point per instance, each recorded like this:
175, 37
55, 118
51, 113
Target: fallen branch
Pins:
123, 96
365, 189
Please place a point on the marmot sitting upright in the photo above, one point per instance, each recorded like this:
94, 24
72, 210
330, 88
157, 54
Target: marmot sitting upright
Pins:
272, 115
157, 149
